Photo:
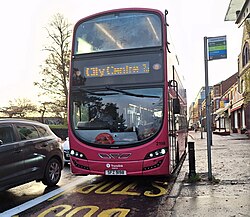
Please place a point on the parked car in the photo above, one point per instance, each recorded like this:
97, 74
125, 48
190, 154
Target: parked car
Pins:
29, 151
66, 151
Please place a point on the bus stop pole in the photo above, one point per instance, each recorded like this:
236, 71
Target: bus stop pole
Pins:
208, 120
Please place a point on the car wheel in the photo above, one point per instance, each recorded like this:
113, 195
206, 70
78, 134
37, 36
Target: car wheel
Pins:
52, 173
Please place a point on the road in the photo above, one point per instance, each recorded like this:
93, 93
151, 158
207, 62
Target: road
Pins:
92, 195
23, 193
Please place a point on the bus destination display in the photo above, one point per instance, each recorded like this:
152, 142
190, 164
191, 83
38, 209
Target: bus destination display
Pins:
117, 69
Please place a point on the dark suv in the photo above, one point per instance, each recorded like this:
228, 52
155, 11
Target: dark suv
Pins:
29, 151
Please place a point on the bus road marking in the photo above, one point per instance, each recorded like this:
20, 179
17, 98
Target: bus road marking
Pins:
99, 188
42, 198
91, 210
130, 189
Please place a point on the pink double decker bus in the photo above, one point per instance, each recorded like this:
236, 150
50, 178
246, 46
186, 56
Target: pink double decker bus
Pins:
127, 106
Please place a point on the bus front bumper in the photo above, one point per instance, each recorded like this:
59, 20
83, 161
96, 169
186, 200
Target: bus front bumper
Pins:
156, 166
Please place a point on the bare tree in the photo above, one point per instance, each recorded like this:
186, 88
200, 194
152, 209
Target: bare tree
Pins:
55, 71
18, 108
50, 108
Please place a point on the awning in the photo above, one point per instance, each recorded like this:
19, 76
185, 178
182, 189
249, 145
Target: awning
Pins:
244, 13
234, 5
220, 111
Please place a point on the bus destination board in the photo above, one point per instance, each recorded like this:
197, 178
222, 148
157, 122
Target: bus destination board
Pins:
116, 69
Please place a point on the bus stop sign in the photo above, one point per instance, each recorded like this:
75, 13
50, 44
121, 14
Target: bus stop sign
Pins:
217, 48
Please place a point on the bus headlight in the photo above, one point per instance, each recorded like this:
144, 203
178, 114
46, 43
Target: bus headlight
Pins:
156, 153
77, 154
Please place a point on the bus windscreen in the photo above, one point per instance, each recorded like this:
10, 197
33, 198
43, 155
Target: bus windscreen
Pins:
118, 31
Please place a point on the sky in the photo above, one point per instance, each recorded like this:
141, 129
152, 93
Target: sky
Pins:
23, 37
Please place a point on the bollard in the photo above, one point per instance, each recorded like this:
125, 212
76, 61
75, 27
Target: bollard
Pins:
202, 133
191, 154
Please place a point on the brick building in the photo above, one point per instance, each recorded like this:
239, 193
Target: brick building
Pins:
222, 99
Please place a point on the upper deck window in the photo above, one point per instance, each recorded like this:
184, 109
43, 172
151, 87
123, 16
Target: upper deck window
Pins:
118, 31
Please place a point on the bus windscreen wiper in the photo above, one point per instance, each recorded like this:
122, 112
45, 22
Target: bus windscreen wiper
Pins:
93, 93
130, 94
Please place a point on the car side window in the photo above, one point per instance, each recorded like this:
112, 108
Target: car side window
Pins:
6, 135
42, 131
27, 132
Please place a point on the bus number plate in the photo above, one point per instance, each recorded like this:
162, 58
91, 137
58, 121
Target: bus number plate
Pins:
115, 172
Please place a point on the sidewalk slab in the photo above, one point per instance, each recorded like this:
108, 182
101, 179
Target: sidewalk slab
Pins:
229, 192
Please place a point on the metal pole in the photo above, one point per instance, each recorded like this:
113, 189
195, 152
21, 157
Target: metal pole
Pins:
208, 124
201, 124
211, 121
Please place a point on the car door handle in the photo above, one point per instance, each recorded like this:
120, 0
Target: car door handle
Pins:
45, 144
18, 150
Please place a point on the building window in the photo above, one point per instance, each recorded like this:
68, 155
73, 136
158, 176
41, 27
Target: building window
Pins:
242, 86
217, 106
245, 54
216, 91
232, 94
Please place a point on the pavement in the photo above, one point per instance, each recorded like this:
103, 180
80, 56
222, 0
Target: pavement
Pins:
227, 194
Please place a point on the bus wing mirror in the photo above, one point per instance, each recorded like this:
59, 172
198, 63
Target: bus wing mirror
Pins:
176, 106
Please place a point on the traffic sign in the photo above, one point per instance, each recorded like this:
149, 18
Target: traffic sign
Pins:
217, 48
